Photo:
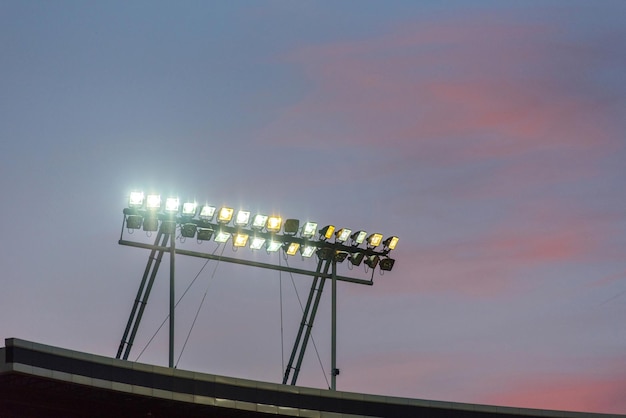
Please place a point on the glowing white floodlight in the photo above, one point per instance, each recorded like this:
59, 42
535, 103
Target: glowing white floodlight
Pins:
222, 237
358, 237
172, 204
293, 247
153, 202
273, 246
309, 229
343, 234
207, 212
374, 240
225, 215
308, 250
259, 221
242, 218
240, 240
135, 200
257, 243
190, 209
274, 223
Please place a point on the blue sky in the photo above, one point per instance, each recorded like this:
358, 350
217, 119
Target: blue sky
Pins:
489, 136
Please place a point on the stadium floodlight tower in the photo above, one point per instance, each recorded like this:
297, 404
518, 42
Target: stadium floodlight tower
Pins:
331, 246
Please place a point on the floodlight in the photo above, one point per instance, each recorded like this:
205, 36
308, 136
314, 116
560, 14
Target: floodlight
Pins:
225, 215
153, 202
308, 250
135, 200
133, 221
172, 204
372, 261
204, 234
190, 209
242, 218
291, 226
240, 239
309, 229
293, 247
273, 223
221, 237
168, 227
390, 243
273, 246
340, 256
259, 221
358, 237
150, 224
386, 264
257, 243
343, 234
325, 253
188, 230
374, 240
207, 212
327, 232
357, 258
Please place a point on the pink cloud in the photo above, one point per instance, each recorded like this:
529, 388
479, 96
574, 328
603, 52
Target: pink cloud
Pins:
564, 392
548, 234
456, 90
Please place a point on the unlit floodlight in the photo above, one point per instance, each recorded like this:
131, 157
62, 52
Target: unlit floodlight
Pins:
372, 261
150, 224
205, 234
133, 221
357, 258
386, 264
291, 226
188, 230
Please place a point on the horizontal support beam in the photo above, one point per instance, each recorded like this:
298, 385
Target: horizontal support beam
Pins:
244, 262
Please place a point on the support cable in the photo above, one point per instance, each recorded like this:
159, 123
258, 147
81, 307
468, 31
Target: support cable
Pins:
181, 298
200, 307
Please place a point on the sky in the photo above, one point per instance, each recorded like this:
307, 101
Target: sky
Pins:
490, 136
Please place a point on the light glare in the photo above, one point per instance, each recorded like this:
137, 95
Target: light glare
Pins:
135, 200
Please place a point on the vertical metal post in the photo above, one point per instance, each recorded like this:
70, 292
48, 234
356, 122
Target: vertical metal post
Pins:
172, 296
333, 342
